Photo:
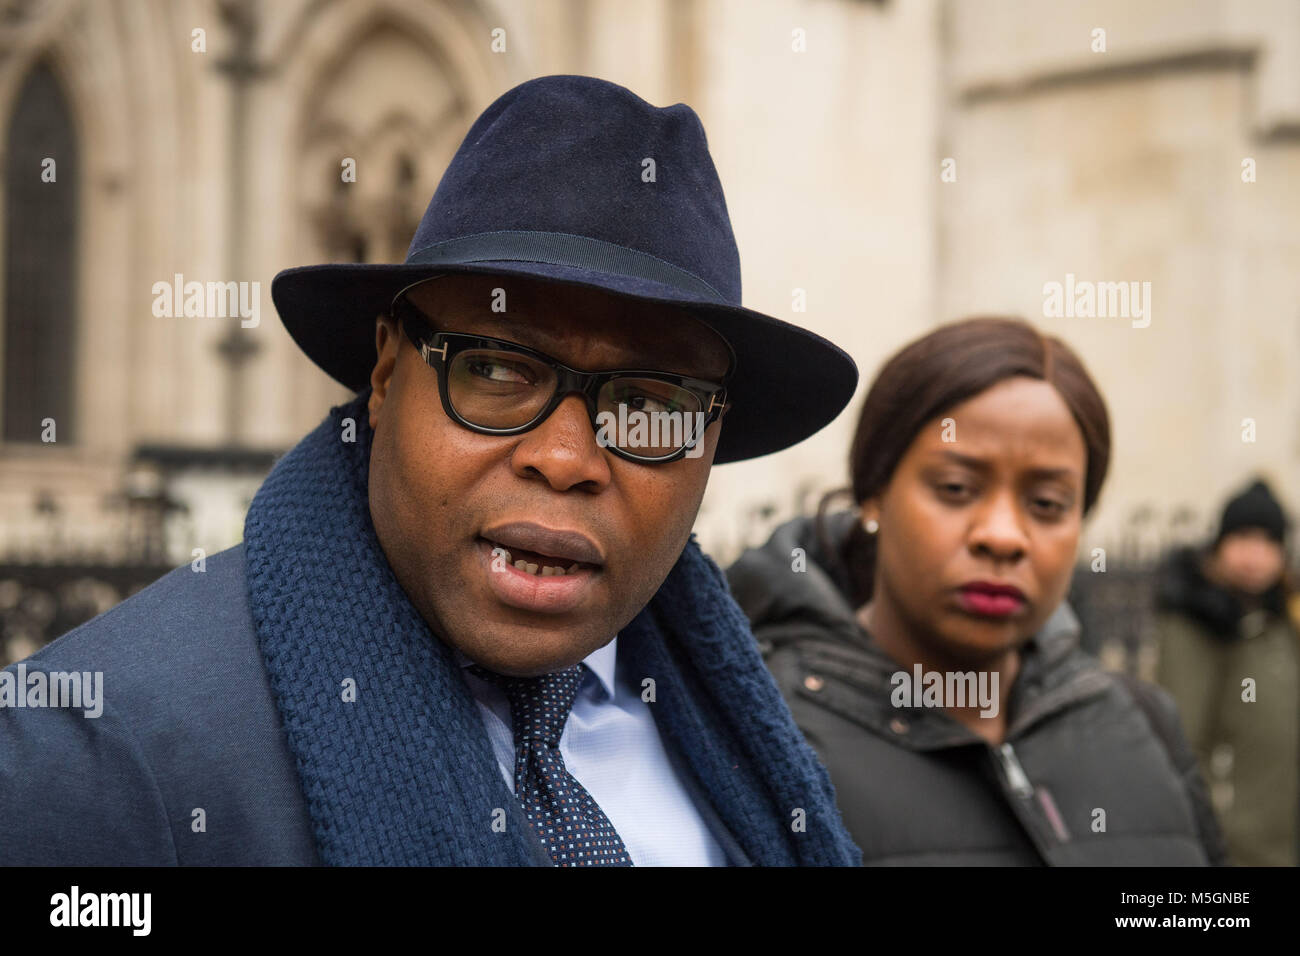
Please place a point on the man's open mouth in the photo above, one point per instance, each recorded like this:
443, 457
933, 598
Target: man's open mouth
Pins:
541, 565
541, 551
541, 570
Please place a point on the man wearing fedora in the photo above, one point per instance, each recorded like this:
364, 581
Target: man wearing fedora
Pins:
468, 623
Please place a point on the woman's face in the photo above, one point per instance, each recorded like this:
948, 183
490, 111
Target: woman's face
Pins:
979, 524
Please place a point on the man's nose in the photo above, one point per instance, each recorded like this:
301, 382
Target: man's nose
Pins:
563, 450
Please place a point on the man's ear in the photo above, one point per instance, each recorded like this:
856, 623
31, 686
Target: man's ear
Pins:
386, 345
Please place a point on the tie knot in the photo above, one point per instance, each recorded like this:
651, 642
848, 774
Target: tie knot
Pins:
539, 706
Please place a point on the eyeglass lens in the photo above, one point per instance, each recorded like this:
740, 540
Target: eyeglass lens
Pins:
499, 389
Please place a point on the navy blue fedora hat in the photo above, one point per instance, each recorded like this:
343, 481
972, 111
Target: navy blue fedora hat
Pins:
548, 185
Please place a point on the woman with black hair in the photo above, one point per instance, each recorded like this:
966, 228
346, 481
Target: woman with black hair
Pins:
922, 639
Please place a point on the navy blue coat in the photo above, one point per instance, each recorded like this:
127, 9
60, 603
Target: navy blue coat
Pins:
188, 723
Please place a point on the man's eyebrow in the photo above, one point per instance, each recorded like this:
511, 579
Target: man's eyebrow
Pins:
509, 324
517, 327
522, 331
512, 327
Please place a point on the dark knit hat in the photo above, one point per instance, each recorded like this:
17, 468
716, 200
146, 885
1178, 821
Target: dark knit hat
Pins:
1256, 507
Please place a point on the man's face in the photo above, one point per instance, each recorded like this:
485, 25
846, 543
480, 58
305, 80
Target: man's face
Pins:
1249, 561
442, 496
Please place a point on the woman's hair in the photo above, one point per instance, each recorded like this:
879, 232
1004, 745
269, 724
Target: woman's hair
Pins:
939, 371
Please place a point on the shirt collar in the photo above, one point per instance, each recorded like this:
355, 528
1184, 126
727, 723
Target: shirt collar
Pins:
601, 662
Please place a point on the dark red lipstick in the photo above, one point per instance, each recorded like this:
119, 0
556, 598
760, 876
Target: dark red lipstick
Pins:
990, 599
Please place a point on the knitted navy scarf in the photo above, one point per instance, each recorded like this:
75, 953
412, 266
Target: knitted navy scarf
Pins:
405, 773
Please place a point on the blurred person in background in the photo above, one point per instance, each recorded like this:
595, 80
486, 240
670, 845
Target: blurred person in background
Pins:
980, 449
1228, 651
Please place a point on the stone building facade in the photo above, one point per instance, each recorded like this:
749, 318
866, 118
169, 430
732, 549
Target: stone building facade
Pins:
889, 165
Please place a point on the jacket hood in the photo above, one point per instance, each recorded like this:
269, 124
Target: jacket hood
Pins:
1182, 587
809, 612
784, 604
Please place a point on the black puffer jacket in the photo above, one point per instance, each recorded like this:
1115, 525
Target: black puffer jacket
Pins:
1094, 770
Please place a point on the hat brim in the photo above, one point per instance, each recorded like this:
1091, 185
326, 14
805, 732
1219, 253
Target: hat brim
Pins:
788, 383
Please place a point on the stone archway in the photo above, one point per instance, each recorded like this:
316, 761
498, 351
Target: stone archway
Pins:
390, 87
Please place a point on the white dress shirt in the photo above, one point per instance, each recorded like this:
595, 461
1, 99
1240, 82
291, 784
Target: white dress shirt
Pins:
612, 746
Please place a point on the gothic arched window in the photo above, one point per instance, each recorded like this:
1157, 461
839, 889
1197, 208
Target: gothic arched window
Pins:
40, 252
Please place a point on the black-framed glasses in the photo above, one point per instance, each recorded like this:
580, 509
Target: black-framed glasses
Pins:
496, 387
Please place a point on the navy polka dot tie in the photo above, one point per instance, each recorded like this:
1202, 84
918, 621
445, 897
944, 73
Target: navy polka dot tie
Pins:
572, 827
